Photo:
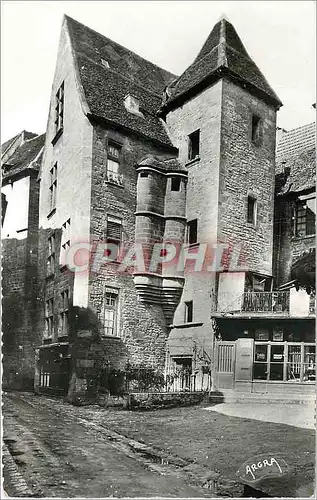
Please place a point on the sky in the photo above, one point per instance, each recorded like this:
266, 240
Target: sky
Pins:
279, 36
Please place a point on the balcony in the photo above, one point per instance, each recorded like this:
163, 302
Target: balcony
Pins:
115, 178
254, 303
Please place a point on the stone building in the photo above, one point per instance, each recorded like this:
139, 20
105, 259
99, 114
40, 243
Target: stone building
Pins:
160, 236
20, 162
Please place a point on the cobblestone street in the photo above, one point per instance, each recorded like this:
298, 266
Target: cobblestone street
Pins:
61, 454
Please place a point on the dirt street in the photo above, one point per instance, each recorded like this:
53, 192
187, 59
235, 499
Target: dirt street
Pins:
60, 455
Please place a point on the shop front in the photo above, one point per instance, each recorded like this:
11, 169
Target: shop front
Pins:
265, 356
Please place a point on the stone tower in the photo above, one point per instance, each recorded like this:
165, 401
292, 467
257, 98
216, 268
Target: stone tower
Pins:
221, 114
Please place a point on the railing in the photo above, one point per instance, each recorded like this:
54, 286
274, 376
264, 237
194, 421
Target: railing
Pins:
115, 178
255, 302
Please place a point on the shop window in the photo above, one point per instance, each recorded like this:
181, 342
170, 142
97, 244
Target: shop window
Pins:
276, 362
192, 227
175, 184
110, 313
252, 210
194, 145
309, 367
189, 311
284, 362
294, 362
260, 362
305, 219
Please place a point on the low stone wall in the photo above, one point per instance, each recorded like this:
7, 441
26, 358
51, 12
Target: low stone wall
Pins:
151, 400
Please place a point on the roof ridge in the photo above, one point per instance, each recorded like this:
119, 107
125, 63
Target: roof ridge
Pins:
119, 44
301, 126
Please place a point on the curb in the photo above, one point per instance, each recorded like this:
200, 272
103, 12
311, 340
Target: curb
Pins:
14, 482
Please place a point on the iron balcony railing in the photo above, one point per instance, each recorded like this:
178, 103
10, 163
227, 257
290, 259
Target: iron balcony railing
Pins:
254, 302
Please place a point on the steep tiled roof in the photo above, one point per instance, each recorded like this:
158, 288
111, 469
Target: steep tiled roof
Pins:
302, 168
222, 54
171, 164
295, 141
296, 153
108, 72
27, 136
24, 156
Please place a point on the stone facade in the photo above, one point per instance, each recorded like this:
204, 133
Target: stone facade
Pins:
123, 170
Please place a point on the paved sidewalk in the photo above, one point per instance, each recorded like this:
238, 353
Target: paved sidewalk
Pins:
302, 416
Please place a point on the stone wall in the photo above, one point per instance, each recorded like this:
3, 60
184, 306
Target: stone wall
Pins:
287, 247
202, 112
141, 328
20, 300
247, 169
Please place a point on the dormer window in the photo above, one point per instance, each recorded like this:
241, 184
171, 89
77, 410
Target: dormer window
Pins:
132, 104
193, 145
105, 63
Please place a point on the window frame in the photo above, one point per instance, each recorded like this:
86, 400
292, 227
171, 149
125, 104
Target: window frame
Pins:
112, 294
178, 185
254, 217
189, 311
301, 205
112, 176
285, 360
59, 109
51, 257
189, 230
63, 325
49, 318
65, 242
256, 129
53, 188
191, 149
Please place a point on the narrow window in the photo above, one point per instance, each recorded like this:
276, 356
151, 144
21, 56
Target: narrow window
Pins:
251, 211
193, 145
53, 187
51, 255
175, 184
59, 109
305, 219
4, 204
144, 174
113, 164
63, 314
110, 316
65, 242
189, 311
114, 233
49, 327
192, 231
256, 130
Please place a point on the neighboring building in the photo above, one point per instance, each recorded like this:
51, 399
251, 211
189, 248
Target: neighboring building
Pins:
20, 161
137, 157
268, 338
